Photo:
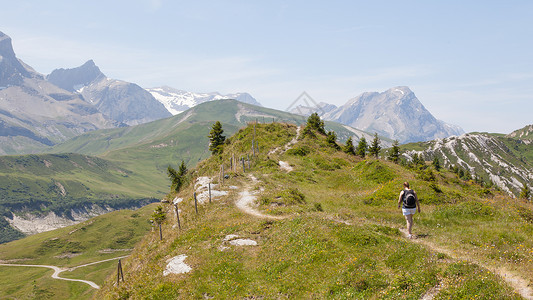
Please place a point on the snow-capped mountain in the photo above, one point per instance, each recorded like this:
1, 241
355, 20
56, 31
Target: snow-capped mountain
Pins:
177, 101
121, 101
395, 113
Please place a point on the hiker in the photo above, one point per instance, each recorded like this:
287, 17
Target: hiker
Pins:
409, 201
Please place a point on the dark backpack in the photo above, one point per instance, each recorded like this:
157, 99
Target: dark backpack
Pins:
409, 199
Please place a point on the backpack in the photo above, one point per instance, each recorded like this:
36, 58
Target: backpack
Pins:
409, 200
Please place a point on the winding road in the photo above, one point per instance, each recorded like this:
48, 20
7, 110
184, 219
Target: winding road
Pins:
58, 270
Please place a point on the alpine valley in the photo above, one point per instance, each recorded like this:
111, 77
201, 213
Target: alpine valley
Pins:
285, 210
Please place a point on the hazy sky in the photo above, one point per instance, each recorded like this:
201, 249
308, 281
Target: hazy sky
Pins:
469, 62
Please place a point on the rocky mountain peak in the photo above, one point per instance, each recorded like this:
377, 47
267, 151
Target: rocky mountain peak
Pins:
12, 71
76, 78
395, 113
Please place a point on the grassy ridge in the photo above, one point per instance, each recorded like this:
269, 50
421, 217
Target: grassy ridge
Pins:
107, 236
340, 237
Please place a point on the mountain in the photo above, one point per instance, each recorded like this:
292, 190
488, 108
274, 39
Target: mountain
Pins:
34, 113
396, 113
490, 158
12, 71
120, 101
177, 101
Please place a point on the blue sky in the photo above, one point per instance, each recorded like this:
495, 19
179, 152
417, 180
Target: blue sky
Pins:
469, 62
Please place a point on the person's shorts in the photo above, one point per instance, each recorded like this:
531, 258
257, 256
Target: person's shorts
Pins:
408, 211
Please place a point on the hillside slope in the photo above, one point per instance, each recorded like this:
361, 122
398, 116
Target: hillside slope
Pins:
48, 191
328, 227
503, 161
86, 251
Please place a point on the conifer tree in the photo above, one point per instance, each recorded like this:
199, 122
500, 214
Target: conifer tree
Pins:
362, 147
216, 139
395, 152
349, 148
158, 217
177, 178
375, 147
436, 164
331, 138
314, 122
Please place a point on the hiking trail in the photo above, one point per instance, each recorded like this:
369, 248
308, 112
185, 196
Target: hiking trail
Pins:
58, 270
247, 199
519, 284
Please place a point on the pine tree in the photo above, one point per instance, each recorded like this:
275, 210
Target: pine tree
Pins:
349, 148
331, 139
314, 122
395, 152
362, 147
216, 139
158, 217
375, 147
177, 178
436, 164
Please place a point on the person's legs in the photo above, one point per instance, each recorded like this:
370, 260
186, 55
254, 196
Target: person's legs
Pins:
409, 220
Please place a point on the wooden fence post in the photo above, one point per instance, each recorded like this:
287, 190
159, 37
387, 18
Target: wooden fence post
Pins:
209, 192
177, 214
160, 232
119, 272
195, 203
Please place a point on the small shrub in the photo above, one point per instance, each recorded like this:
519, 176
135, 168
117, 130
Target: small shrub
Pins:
435, 188
318, 207
427, 175
293, 196
299, 151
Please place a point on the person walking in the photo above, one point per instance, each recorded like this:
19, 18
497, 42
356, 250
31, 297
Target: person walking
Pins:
409, 202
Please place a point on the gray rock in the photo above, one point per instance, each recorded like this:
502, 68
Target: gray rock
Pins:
396, 113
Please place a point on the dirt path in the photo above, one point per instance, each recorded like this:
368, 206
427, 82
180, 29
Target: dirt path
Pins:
289, 144
58, 270
519, 284
246, 201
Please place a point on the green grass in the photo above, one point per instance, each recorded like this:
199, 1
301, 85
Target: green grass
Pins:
350, 248
70, 247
